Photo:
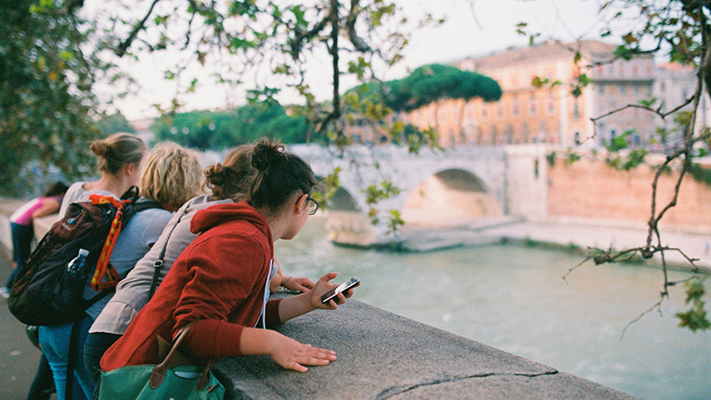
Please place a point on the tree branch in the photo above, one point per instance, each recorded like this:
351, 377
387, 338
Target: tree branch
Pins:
300, 37
358, 43
121, 49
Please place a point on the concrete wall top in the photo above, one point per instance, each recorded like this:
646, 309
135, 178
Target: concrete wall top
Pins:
386, 356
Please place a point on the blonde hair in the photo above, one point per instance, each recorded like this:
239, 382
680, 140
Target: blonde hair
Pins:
171, 175
118, 150
231, 178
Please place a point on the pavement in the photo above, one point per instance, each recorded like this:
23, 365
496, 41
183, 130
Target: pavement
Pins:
18, 357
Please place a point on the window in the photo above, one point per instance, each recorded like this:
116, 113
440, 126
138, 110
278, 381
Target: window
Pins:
623, 89
636, 89
576, 109
532, 105
542, 131
551, 104
484, 111
500, 110
515, 106
601, 89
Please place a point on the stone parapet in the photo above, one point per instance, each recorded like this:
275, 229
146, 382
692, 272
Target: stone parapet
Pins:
386, 356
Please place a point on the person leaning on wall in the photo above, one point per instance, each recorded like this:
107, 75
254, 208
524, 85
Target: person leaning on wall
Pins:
221, 280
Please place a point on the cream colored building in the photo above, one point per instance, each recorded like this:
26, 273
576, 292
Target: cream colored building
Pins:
549, 113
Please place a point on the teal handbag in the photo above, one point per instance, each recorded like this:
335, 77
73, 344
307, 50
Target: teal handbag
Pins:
163, 381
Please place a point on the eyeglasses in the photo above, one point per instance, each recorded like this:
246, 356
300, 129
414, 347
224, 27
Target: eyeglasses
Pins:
313, 204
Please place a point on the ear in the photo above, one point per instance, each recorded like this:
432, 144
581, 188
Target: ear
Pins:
130, 169
301, 204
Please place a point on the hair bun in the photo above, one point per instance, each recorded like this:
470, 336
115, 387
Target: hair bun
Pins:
215, 174
99, 147
267, 154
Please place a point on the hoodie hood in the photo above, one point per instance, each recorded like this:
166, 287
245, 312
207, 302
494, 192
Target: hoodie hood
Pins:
222, 213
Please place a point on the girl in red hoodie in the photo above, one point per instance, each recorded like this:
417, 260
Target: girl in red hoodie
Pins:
222, 278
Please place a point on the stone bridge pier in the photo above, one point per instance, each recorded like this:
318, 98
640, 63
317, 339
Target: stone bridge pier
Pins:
449, 188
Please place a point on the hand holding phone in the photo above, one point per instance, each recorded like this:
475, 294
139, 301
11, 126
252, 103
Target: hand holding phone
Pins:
343, 287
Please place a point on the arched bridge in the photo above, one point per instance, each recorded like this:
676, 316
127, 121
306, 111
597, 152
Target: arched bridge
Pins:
437, 188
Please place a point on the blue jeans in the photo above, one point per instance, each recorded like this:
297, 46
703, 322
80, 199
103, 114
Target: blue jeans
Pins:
43, 385
21, 247
54, 341
95, 347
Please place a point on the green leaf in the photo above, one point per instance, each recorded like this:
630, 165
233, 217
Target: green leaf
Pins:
695, 318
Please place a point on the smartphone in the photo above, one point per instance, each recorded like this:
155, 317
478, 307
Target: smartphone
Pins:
343, 287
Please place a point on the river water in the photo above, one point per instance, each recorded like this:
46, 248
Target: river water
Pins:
514, 298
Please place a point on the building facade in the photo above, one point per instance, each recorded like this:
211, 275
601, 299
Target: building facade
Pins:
549, 113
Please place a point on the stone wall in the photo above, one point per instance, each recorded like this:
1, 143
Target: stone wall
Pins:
590, 189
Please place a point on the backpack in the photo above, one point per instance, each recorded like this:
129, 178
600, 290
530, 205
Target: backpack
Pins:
42, 293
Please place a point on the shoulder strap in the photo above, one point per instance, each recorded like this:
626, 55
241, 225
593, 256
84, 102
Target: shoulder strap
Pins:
160, 370
145, 204
121, 219
71, 359
158, 264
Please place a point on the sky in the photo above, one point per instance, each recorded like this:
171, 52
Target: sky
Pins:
472, 28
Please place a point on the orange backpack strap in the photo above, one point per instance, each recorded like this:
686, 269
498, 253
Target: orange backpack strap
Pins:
105, 275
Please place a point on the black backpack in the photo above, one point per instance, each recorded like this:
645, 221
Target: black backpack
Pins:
41, 293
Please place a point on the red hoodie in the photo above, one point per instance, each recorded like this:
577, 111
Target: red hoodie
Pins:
219, 279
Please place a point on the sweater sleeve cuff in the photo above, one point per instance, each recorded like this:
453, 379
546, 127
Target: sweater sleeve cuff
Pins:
272, 312
211, 338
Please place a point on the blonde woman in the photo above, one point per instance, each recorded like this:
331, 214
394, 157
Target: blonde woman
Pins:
171, 175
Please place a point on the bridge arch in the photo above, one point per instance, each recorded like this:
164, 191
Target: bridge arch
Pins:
450, 196
343, 201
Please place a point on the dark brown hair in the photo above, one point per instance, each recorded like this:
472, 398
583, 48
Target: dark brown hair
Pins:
279, 174
56, 189
231, 178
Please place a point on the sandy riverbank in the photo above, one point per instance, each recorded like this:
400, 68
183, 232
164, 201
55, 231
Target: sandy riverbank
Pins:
573, 235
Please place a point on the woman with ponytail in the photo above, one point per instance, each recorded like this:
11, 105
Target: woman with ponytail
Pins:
221, 280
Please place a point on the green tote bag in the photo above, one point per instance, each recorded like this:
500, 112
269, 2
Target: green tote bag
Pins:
164, 381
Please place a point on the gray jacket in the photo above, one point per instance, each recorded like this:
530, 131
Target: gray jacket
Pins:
132, 292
